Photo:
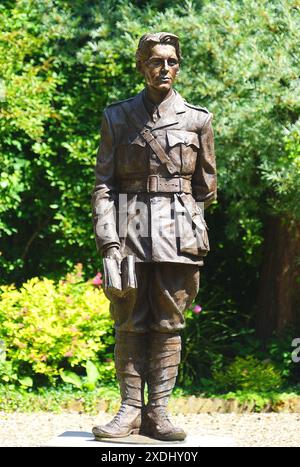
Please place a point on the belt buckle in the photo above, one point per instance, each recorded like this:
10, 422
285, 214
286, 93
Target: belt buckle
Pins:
151, 180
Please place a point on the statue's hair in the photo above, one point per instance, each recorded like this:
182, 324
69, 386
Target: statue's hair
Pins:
147, 41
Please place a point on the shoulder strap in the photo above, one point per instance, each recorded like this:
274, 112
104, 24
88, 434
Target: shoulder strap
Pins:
146, 134
196, 107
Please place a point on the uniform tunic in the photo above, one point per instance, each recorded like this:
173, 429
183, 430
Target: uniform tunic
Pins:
135, 204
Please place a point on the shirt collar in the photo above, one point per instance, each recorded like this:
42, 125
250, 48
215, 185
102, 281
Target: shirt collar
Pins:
160, 108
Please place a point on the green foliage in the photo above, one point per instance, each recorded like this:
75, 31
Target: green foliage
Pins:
214, 338
49, 327
59, 399
37, 123
61, 63
263, 401
249, 374
278, 350
106, 397
209, 341
284, 176
94, 373
9, 374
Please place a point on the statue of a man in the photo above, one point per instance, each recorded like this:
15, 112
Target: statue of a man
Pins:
155, 165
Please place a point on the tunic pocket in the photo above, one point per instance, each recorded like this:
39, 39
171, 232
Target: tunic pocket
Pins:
191, 228
186, 138
184, 144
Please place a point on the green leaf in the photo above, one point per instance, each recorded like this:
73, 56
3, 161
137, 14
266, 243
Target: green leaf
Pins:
72, 378
92, 373
26, 381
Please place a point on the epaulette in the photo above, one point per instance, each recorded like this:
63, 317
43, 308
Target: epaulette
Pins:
119, 102
196, 107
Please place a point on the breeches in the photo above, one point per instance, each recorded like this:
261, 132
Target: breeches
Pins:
164, 292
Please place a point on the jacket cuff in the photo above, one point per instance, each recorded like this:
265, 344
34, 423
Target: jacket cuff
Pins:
109, 245
210, 200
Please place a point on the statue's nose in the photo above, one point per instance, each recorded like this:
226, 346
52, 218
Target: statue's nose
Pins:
166, 65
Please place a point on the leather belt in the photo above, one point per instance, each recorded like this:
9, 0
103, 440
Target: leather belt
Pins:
155, 184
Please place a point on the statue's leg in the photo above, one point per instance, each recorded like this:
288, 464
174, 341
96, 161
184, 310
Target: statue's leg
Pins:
130, 360
163, 364
174, 287
131, 350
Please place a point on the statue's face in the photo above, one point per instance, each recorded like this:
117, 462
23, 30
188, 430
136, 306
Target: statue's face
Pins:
161, 67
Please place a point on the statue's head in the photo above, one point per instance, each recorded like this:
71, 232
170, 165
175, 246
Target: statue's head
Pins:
157, 58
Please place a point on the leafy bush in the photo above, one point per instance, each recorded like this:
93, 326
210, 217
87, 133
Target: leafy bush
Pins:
61, 398
217, 335
277, 349
209, 341
49, 327
249, 374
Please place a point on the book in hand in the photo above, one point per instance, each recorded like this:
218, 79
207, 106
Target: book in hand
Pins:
118, 282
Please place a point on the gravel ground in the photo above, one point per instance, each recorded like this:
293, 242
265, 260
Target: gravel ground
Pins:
254, 430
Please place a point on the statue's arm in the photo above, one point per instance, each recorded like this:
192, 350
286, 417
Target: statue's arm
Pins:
204, 181
105, 192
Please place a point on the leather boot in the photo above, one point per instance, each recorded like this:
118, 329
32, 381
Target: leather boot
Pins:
163, 362
130, 358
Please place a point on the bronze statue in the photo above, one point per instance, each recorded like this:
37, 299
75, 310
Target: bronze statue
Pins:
155, 165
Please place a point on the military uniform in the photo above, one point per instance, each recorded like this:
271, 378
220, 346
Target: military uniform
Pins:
141, 221
154, 164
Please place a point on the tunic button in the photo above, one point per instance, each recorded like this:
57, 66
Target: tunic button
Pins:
153, 156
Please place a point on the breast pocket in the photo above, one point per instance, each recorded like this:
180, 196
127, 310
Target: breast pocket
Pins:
184, 145
131, 156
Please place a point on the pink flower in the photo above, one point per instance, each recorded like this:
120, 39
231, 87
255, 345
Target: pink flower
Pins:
97, 279
69, 353
197, 309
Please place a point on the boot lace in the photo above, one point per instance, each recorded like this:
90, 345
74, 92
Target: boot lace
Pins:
119, 414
